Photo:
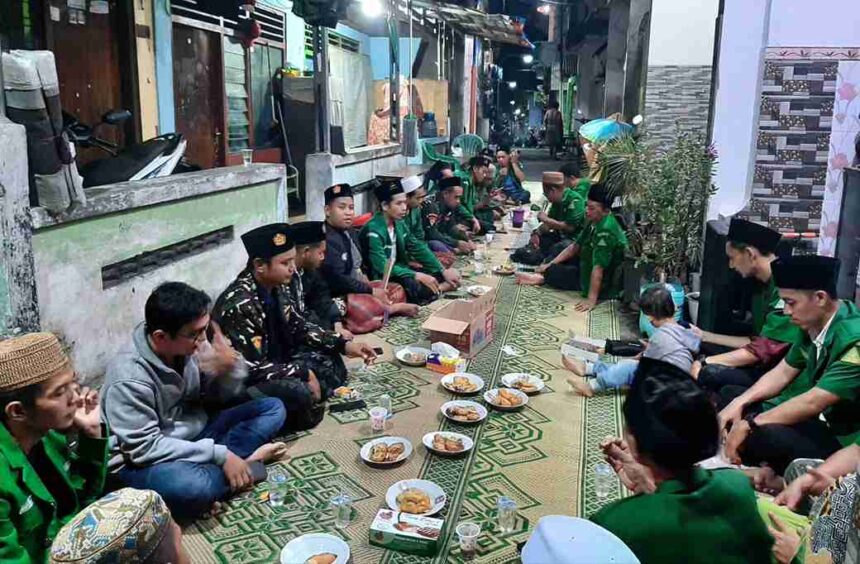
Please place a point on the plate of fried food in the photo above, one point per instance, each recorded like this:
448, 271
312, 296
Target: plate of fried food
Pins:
416, 497
506, 399
412, 356
464, 411
504, 269
386, 450
527, 383
462, 383
450, 444
315, 548
478, 290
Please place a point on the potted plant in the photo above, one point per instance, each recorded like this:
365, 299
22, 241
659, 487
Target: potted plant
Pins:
665, 192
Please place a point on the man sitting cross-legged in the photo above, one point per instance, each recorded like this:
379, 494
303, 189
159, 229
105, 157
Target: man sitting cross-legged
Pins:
363, 302
414, 221
592, 264
44, 482
154, 401
386, 240
445, 224
288, 357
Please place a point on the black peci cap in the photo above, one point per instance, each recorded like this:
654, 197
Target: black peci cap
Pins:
762, 238
266, 241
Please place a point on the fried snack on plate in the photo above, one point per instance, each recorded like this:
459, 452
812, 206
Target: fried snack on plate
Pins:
379, 452
323, 558
414, 501
395, 451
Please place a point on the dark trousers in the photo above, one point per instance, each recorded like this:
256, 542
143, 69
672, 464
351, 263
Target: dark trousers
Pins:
188, 488
416, 292
713, 377
564, 276
778, 445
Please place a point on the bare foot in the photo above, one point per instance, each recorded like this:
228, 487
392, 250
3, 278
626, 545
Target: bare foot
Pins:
575, 365
580, 385
529, 278
409, 310
269, 452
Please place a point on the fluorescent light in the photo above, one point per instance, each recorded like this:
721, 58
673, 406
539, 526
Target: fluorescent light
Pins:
512, 102
544, 9
528, 59
512, 84
371, 8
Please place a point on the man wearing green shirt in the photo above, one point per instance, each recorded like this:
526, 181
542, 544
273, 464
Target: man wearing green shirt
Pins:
475, 204
416, 195
600, 251
808, 406
388, 246
560, 226
443, 220
751, 249
44, 480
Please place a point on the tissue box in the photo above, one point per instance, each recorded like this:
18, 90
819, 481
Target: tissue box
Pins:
445, 365
466, 325
406, 533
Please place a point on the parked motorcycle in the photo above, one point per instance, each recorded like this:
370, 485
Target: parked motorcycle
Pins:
159, 156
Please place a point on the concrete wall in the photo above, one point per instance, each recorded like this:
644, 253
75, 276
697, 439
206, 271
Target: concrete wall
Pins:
682, 33
69, 254
357, 166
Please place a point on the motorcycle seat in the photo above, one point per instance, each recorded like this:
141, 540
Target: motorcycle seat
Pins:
126, 164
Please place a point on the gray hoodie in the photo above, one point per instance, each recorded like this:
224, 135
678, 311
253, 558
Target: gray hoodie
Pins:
673, 344
154, 413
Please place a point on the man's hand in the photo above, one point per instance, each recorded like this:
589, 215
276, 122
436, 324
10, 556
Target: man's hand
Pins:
314, 386
451, 276
381, 295
343, 331
786, 541
586, 305
87, 417
543, 267
427, 280
218, 357
476, 225
814, 482
360, 350
237, 472
465, 246
737, 436
515, 157
696, 331
635, 476
542, 216
731, 414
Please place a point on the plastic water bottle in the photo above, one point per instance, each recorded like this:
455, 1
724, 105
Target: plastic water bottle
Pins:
604, 480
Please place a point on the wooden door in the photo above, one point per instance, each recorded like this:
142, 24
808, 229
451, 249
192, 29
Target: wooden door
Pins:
198, 93
87, 49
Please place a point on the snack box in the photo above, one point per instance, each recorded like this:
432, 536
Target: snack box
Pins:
406, 533
466, 325
445, 365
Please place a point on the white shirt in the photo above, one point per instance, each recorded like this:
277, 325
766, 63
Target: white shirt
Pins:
818, 341
393, 243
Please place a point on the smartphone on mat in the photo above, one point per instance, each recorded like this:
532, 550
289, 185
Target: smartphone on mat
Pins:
258, 471
377, 350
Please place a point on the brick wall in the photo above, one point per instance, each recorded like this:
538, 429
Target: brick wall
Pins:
677, 96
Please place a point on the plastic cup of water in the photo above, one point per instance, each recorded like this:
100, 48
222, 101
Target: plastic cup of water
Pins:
277, 479
247, 156
604, 480
377, 419
342, 506
468, 534
506, 514
479, 268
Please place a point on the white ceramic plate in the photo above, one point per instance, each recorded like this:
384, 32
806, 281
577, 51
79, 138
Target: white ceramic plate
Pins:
448, 382
490, 398
437, 494
467, 443
368, 446
301, 548
399, 354
511, 379
501, 272
478, 290
482, 411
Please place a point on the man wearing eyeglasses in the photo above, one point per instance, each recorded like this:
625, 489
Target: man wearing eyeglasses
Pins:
154, 401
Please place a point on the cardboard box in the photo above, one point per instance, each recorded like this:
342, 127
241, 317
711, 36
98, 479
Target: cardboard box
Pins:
406, 533
466, 325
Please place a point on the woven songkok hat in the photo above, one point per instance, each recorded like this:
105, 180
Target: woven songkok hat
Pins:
30, 359
124, 526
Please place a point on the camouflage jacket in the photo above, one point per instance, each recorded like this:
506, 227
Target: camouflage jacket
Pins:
241, 312
444, 224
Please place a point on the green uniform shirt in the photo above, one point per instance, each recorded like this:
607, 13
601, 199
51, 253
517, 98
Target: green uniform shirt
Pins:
768, 318
836, 370
376, 248
715, 521
414, 224
570, 210
602, 244
470, 196
446, 226
28, 512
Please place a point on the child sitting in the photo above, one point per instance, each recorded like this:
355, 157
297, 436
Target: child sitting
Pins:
670, 343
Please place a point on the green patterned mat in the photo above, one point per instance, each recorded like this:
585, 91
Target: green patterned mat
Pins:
542, 456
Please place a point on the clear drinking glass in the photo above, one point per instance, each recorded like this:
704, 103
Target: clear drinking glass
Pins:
247, 156
278, 487
342, 506
506, 514
604, 480
468, 534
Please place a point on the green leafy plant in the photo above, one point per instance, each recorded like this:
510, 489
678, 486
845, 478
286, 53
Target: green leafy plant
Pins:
665, 192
